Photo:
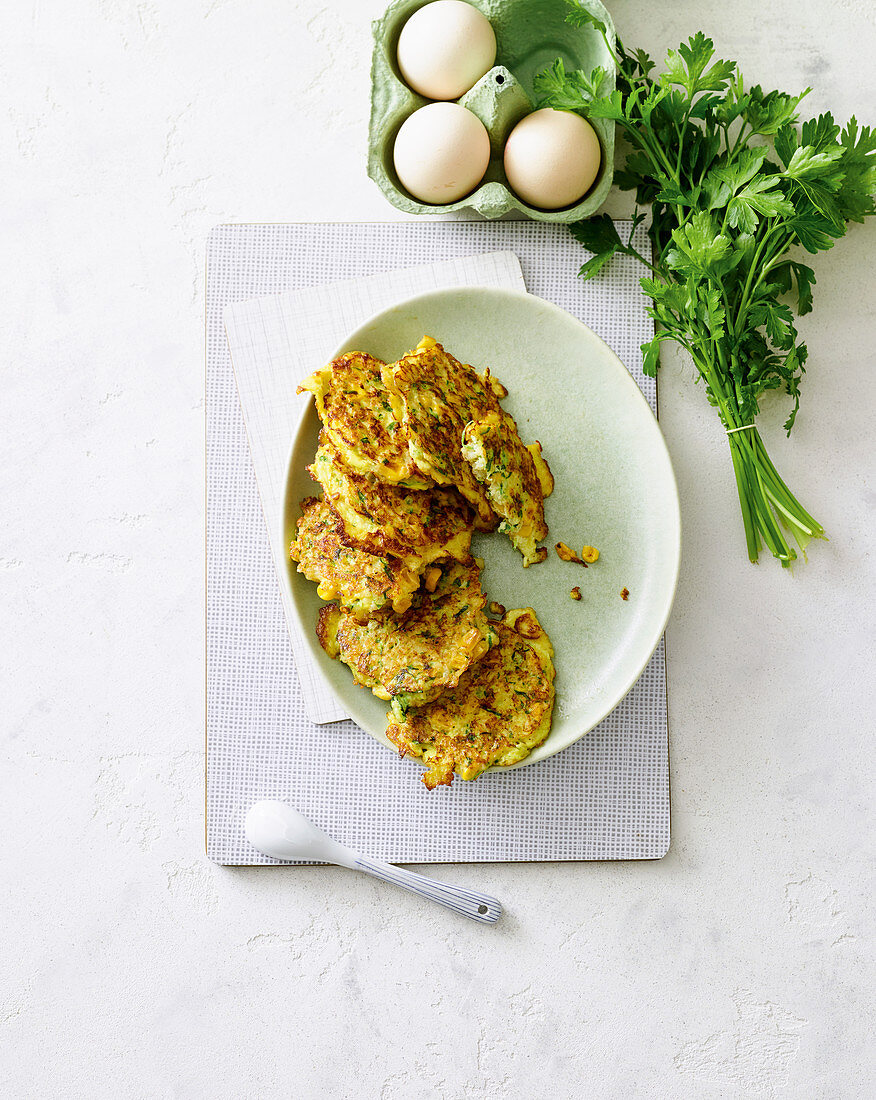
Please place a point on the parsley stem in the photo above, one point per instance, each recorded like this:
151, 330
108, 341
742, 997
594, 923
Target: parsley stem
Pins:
802, 517
752, 537
634, 252
764, 498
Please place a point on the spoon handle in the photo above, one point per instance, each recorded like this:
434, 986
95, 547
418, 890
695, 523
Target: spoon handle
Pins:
480, 907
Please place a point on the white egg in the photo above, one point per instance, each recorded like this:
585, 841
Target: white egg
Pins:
445, 48
552, 158
441, 152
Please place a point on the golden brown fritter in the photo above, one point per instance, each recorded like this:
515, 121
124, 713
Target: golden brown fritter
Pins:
357, 416
418, 526
412, 658
508, 472
434, 396
362, 582
499, 711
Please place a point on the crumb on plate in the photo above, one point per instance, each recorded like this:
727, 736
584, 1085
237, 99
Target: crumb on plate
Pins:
565, 553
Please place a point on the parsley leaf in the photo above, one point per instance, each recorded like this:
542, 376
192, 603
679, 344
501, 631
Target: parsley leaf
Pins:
687, 66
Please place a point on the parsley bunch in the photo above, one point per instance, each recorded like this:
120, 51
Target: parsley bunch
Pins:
733, 186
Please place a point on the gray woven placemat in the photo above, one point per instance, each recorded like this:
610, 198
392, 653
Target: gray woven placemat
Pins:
607, 797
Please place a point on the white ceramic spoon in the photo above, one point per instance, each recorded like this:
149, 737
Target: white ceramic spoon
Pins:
280, 831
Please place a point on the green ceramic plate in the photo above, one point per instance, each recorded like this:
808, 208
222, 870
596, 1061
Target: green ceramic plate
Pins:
615, 490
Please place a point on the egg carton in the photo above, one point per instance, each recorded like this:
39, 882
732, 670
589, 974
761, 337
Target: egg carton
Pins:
530, 35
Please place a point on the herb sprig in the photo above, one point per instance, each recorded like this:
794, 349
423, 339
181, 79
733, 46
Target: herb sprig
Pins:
733, 185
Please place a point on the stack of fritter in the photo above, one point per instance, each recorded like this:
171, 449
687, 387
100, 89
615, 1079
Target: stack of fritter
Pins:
413, 457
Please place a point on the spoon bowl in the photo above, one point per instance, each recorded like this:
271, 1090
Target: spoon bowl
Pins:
280, 831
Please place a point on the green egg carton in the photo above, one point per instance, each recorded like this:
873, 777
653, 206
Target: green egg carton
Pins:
530, 35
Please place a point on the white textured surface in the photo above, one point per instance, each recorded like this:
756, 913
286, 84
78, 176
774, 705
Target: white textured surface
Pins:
737, 967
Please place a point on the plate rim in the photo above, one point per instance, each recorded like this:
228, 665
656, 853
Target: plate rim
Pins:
537, 755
